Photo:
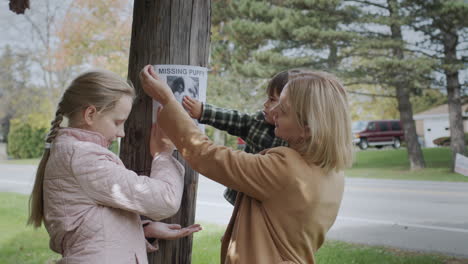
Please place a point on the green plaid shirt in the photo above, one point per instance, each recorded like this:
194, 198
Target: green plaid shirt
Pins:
252, 128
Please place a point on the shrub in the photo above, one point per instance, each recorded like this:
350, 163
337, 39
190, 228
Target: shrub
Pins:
445, 141
442, 141
26, 138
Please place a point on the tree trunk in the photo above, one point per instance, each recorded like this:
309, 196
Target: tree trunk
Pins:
457, 134
406, 116
403, 96
164, 32
333, 56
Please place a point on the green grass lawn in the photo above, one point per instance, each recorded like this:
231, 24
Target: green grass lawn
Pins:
394, 164
21, 244
18, 243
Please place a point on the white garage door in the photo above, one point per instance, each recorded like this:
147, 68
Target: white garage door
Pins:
435, 128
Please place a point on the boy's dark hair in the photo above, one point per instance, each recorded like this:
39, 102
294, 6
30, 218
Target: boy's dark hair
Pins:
277, 83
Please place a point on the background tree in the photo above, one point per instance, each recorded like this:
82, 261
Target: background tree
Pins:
17, 97
88, 39
252, 40
383, 60
269, 36
8, 85
228, 88
24, 114
42, 20
428, 98
445, 27
364, 107
266, 37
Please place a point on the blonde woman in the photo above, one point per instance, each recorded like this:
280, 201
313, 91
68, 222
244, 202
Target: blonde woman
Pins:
89, 202
290, 195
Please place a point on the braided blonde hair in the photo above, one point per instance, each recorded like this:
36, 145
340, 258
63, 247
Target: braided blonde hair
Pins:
101, 89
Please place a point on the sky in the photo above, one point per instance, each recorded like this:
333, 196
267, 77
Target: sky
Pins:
10, 25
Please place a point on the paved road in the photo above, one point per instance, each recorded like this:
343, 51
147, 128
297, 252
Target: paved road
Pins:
3, 152
17, 178
414, 215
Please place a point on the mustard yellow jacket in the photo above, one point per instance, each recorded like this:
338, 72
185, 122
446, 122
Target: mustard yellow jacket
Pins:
287, 206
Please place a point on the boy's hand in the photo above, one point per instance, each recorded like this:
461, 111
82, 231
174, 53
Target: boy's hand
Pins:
162, 230
193, 106
154, 87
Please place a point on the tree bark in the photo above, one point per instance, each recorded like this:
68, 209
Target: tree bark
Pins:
403, 96
413, 147
457, 134
333, 56
164, 32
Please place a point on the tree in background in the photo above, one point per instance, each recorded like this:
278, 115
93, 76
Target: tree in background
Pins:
384, 60
364, 107
69, 36
8, 86
226, 87
63, 37
24, 114
18, 97
428, 98
31, 85
42, 21
95, 33
361, 41
266, 37
445, 27
253, 40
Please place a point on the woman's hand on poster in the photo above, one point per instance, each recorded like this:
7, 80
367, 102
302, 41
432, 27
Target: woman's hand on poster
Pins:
159, 142
162, 230
154, 86
193, 107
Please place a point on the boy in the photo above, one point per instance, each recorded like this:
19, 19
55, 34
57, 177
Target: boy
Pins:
258, 130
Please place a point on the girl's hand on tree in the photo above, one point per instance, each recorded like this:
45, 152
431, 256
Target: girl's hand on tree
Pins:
193, 107
162, 230
154, 87
151, 247
159, 142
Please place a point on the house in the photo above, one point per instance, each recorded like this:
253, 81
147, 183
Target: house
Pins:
434, 123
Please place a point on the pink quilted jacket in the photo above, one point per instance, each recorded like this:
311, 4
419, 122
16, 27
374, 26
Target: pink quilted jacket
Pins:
92, 202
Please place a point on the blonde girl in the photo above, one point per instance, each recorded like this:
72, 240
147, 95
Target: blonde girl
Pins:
290, 195
88, 201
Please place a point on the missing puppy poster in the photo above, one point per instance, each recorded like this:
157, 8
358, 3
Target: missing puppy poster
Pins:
184, 80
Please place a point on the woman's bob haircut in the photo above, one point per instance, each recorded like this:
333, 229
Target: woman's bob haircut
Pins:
320, 103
